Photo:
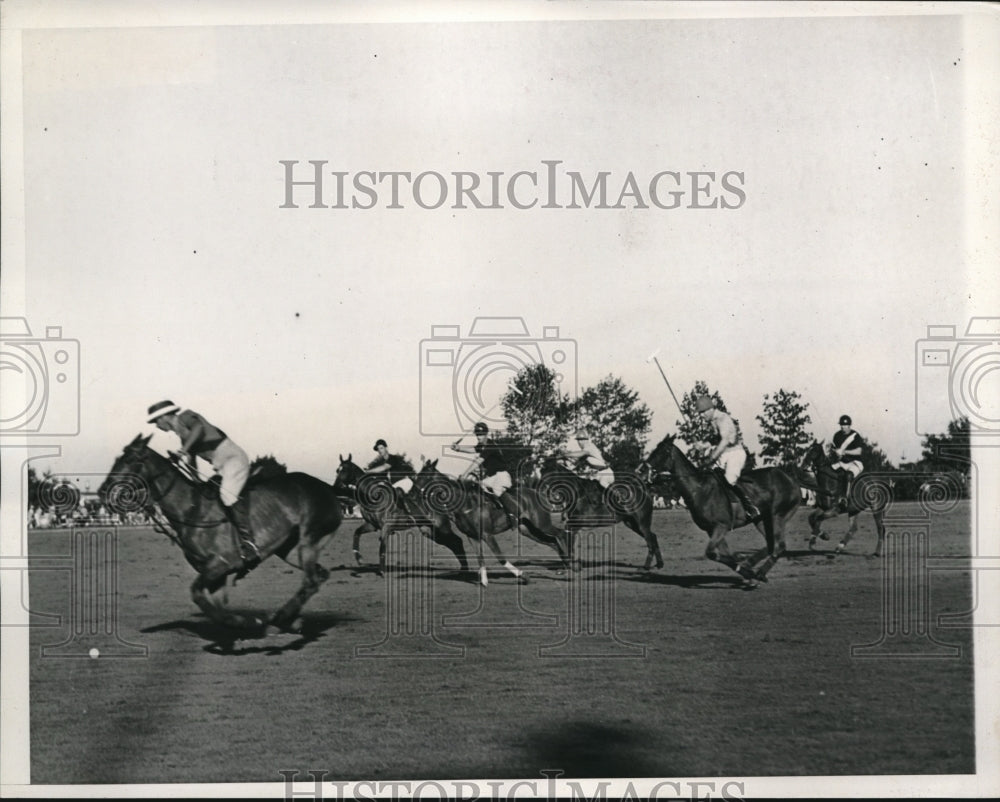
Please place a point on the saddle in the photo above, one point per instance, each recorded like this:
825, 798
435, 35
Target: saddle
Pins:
732, 496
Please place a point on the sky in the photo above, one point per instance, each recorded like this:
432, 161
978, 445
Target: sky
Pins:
154, 233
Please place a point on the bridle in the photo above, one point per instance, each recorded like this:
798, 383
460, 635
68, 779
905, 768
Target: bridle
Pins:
151, 477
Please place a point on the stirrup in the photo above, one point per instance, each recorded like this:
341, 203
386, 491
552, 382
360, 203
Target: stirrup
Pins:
249, 553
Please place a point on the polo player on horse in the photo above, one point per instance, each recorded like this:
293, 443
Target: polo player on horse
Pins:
729, 452
199, 438
846, 446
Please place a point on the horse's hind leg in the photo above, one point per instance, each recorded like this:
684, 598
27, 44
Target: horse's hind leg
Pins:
551, 537
313, 576
775, 536
495, 548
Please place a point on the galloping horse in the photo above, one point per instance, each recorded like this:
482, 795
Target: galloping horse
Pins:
480, 517
628, 500
383, 505
292, 515
867, 492
716, 510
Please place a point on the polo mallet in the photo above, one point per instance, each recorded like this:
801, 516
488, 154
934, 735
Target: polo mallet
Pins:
652, 358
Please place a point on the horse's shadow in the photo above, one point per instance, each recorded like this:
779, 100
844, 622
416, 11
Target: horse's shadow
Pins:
227, 641
696, 581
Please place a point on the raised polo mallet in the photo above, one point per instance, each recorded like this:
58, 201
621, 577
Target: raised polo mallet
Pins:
652, 358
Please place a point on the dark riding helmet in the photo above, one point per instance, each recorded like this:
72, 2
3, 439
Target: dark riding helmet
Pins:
379, 442
845, 420
481, 428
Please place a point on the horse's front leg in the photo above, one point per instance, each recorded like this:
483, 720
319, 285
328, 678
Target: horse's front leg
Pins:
365, 528
205, 593
718, 550
851, 531
815, 517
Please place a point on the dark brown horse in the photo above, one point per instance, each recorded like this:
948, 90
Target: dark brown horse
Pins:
584, 502
716, 510
384, 507
867, 492
480, 517
292, 515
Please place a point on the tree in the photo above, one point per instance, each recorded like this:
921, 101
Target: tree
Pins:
949, 451
874, 458
697, 432
537, 416
618, 422
783, 438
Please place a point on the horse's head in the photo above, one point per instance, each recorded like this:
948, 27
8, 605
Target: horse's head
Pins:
426, 473
348, 473
815, 456
552, 463
127, 479
661, 458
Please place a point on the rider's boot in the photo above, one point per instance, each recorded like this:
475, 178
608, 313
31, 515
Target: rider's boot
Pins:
843, 481
239, 515
510, 507
753, 514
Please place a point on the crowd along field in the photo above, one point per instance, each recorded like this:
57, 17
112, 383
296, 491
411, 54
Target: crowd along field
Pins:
422, 673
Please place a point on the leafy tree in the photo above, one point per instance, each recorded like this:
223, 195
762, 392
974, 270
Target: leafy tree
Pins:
949, 451
537, 416
874, 458
783, 438
697, 432
618, 422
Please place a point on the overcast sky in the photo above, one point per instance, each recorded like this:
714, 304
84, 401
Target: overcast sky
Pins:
154, 233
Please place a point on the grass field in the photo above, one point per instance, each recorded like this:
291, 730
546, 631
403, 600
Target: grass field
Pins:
608, 673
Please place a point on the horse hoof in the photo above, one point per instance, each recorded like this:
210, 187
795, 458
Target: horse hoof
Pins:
522, 579
749, 584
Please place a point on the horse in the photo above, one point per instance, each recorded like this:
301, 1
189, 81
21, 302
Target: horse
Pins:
384, 507
716, 510
292, 515
480, 517
584, 502
866, 492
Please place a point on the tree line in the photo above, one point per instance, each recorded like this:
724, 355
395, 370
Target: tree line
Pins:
540, 421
